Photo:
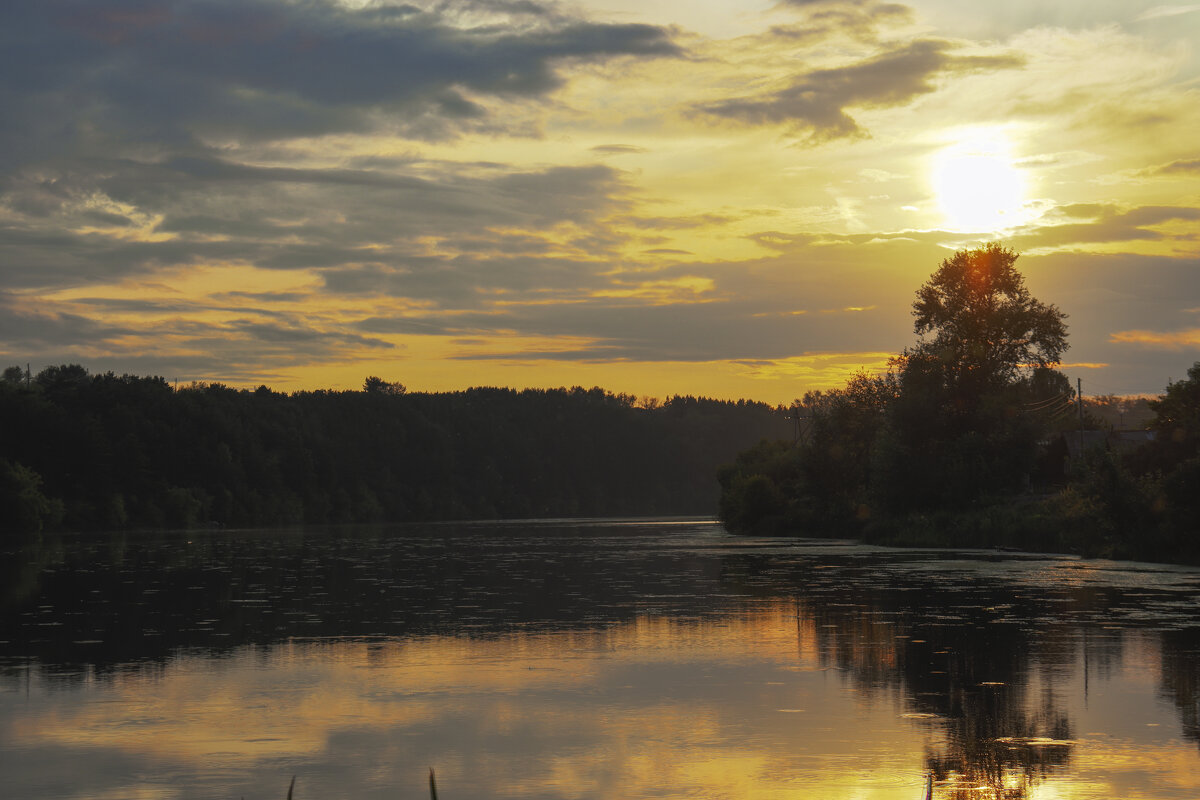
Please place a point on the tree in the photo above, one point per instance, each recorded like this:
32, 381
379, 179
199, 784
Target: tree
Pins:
376, 385
953, 425
1177, 413
64, 378
1175, 454
967, 419
23, 506
763, 491
978, 320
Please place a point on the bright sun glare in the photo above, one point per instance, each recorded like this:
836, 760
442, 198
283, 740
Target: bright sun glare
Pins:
978, 186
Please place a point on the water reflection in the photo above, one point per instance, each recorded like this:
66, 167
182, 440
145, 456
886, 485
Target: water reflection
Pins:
990, 654
605, 661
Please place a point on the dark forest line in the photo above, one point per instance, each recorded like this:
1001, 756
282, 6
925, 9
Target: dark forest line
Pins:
85, 452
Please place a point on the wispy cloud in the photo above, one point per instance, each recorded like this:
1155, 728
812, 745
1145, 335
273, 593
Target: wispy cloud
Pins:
1187, 166
1165, 340
817, 101
1092, 223
1158, 12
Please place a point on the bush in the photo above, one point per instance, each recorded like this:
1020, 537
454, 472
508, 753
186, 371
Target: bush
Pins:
25, 508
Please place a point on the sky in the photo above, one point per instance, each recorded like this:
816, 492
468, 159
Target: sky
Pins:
711, 197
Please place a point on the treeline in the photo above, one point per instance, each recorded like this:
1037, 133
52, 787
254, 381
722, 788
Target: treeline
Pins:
82, 451
968, 440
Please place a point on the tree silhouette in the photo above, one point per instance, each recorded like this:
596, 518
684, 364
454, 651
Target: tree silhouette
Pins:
1177, 412
376, 385
106, 451
948, 428
980, 323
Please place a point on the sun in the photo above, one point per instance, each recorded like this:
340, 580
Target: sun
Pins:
978, 185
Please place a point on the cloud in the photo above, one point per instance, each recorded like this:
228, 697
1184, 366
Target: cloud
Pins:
822, 20
299, 334
708, 220
745, 310
212, 211
24, 329
817, 101
266, 297
560, 193
1162, 340
1189, 166
470, 281
1158, 12
246, 188
618, 149
1104, 223
131, 76
145, 135
1118, 294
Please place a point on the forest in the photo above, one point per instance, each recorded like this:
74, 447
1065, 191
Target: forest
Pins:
85, 452
972, 437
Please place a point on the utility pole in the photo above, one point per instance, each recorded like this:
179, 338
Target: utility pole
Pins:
1079, 400
795, 417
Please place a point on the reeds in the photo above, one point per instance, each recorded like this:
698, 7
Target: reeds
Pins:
928, 794
432, 786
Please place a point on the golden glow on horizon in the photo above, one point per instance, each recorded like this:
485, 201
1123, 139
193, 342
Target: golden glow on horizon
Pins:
771, 381
979, 187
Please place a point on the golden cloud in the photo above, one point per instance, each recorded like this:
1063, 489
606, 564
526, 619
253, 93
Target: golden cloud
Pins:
1168, 340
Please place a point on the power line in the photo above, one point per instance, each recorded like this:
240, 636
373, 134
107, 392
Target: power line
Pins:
1049, 401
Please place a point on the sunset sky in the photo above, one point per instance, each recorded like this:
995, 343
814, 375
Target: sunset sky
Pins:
735, 199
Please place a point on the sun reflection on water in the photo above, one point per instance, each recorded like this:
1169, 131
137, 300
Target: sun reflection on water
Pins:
654, 707
780, 681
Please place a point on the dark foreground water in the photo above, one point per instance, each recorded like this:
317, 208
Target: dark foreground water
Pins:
593, 659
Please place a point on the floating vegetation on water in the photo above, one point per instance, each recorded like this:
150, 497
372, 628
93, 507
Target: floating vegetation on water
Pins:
1035, 741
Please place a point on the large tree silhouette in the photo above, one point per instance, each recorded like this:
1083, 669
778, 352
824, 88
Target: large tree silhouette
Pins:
981, 325
960, 430
954, 425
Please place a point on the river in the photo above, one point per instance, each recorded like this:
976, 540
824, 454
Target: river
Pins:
573, 659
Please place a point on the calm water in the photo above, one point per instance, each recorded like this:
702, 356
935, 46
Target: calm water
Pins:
570, 660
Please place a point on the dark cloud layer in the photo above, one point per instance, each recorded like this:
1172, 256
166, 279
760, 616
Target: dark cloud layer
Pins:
144, 76
286, 218
33, 329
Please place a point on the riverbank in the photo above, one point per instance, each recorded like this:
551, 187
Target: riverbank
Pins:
1066, 522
